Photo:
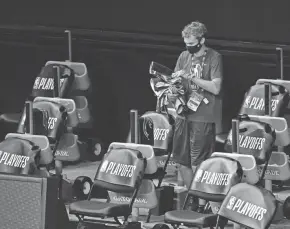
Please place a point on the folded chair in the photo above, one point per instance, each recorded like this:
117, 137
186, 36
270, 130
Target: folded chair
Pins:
73, 76
121, 171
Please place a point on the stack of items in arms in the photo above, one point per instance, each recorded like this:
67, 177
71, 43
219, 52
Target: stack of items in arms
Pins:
162, 88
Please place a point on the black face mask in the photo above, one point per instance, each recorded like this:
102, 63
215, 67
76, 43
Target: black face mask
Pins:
194, 48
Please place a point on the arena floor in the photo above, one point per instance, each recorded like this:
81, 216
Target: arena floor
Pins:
89, 169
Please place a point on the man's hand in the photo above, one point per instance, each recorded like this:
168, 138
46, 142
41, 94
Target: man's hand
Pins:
182, 74
187, 76
178, 73
213, 86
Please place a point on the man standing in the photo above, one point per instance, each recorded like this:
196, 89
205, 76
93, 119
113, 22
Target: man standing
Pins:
201, 70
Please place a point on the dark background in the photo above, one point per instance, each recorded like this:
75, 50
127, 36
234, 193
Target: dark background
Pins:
118, 40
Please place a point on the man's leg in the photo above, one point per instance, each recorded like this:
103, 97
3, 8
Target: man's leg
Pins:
186, 174
202, 142
181, 155
181, 149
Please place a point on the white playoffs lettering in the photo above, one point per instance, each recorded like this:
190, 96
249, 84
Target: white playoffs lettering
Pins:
246, 208
248, 142
14, 160
51, 122
257, 103
128, 199
118, 169
220, 179
45, 83
251, 142
160, 134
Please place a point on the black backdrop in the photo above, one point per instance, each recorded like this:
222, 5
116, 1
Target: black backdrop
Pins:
260, 20
118, 41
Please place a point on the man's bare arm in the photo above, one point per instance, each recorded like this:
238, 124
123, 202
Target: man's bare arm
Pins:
212, 86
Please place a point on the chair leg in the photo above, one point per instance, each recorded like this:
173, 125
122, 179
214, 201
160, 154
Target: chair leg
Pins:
125, 220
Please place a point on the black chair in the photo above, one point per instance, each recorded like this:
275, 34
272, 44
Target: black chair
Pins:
207, 184
248, 205
125, 181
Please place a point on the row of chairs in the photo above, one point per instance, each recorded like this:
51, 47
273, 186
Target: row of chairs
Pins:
49, 122
247, 170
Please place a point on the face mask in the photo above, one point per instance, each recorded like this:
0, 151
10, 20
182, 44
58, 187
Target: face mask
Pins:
194, 48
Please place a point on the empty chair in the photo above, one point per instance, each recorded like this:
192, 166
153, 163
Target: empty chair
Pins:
120, 172
250, 206
212, 180
255, 138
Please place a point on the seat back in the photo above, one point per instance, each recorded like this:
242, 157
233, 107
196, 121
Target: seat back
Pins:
19, 156
54, 115
44, 82
249, 205
255, 138
277, 82
157, 131
146, 151
46, 155
146, 196
121, 170
279, 124
214, 177
70, 106
254, 102
81, 81
248, 163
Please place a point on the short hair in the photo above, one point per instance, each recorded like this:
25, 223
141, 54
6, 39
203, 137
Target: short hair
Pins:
195, 28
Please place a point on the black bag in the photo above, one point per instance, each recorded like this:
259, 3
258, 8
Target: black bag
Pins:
255, 138
44, 82
54, 119
214, 177
254, 101
19, 156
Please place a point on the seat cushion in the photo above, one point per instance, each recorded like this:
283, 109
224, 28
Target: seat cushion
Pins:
10, 118
221, 138
98, 209
190, 218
